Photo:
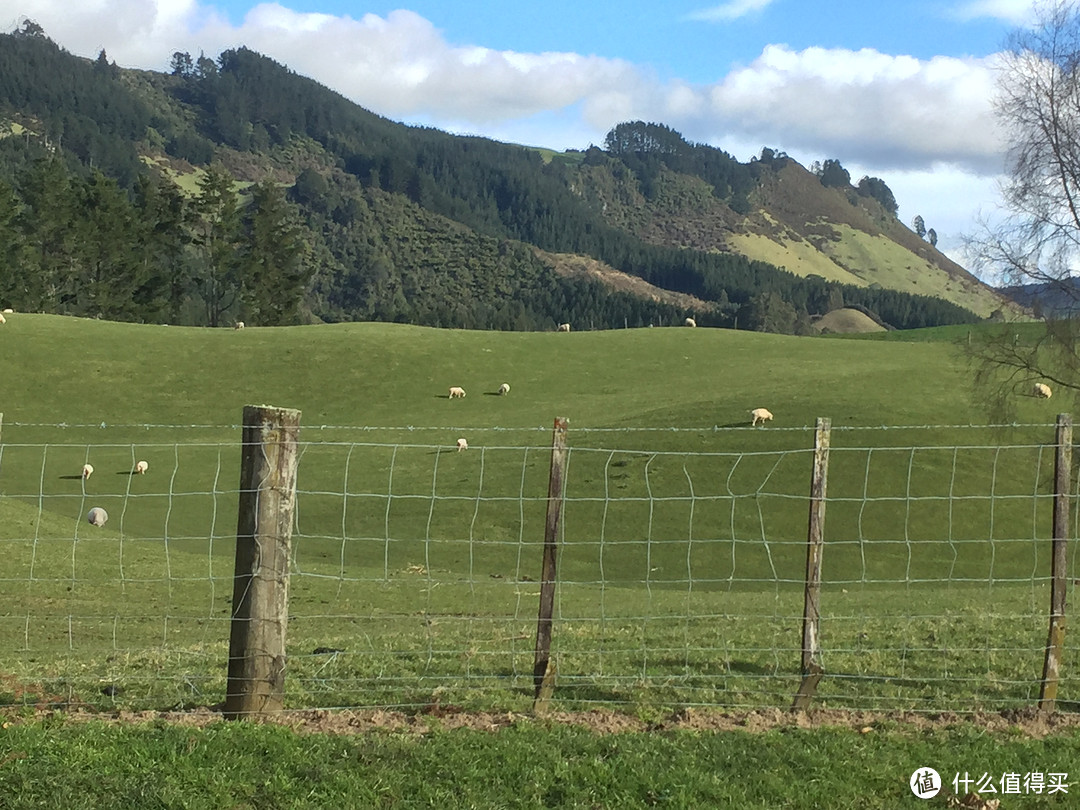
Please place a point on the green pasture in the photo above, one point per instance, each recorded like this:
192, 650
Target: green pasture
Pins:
526, 763
683, 533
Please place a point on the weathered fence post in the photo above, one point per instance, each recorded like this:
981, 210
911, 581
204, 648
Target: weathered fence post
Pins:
260, 605
811, 644
1055, 642
543, 668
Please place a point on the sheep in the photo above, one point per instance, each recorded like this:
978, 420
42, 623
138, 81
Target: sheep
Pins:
760, 415
3, 319
9, 311
690, 322
141, 467
456, 392
1041, 390
97, 516
462, 444
239, 325
87, 471
504, 389
563, 327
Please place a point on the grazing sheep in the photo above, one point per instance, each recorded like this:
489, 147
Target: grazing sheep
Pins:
3, 319
456, 392
9, 311
1041, 390
462, 445
690, 322
504, 389
87, 471
563, 327
97, 516
239, 325
141, 467
760, 415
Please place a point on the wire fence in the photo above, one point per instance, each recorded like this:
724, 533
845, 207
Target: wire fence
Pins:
415, 568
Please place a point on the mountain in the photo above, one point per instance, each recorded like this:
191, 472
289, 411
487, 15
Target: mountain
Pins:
1047, 298
235, 189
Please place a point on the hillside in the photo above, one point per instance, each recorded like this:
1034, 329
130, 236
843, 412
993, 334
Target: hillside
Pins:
795, 223
114, 202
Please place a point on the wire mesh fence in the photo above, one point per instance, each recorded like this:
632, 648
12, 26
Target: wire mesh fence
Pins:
415, 570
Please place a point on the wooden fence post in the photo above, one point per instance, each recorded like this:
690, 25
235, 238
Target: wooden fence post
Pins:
260, 606
1055, 642
811, 642
543, 668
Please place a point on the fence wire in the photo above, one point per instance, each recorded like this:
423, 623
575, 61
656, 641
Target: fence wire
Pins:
415, 567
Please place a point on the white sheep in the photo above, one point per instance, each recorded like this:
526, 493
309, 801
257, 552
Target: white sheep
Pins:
462, 444
9, 311
1041, 390
97, 516
690, 322
239, 325
563, 327
456, 392
504, 389
761, 415
3, 319
141, 467
87, 471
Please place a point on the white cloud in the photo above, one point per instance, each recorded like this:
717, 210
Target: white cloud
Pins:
865, 106
732, 10
1014, 12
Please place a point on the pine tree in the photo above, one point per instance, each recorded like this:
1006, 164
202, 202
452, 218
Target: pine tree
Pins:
273, 272
216, 235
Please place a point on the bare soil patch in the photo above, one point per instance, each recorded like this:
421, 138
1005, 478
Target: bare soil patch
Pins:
573, 266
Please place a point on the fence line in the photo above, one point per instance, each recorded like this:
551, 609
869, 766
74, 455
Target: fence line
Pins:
583, 429
416, 571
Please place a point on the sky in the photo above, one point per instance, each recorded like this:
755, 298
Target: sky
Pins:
901, 90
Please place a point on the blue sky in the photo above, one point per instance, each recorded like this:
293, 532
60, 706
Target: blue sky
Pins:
900, 90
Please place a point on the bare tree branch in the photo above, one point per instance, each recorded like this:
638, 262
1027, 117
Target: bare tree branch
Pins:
1037, 241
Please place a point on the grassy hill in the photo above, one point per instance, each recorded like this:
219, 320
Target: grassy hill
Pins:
684, 527
395, 375
795, 223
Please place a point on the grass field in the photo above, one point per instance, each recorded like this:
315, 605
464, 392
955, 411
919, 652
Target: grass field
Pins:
680, 571
683, 532
524, 764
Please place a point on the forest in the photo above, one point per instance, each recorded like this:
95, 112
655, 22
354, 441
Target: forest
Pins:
300, 206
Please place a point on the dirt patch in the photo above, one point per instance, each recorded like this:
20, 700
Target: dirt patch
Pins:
574, 266
1029, 723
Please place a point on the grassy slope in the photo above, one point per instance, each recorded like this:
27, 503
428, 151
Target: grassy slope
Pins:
87, 372
154, 583
841, 242
79, 371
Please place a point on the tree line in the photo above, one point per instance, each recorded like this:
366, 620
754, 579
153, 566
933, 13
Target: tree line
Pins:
82, 245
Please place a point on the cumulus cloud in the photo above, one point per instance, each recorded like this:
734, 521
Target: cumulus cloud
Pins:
732, 10
891, 111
